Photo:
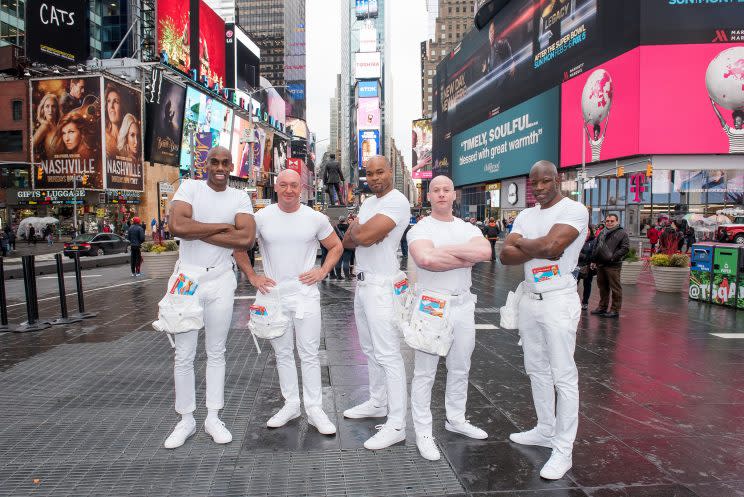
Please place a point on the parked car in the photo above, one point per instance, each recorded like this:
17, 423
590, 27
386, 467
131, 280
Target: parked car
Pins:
96, 244
732, 232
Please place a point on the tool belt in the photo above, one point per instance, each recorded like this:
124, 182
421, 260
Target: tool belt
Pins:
429, 328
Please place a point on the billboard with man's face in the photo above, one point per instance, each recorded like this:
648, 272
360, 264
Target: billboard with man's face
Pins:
122, 136
66, 133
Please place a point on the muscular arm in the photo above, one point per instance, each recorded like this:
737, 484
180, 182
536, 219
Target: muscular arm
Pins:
244, 263
550, 246
371, 232
511, 255
478, 249
183, 226
430, 258
241, 236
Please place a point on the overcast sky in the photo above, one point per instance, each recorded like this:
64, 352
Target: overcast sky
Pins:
407, 26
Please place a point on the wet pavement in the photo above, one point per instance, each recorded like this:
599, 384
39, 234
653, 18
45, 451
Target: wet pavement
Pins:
86, 407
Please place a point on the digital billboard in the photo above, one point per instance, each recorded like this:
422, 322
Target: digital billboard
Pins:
60, 31
243, 57
686, 21
368, 113
240, 149
203, 115
421, 149
174, 32
509, 143
211, 45
276, 107
367, 89
369, 145
279, 151
66, 134
164, 123
368, 39
366, 9
600, 111
122, 136
367, 65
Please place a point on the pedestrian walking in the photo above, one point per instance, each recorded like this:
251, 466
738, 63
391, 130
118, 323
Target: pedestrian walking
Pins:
444, 250
653, 234
547, 239
376, 236
492, 233
136, 237
4, 244
404, 243
586, 273
31, 233
289, 233
11, 232
607, 258
689, 238
211, 219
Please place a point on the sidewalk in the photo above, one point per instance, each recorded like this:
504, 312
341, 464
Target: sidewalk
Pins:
86, 408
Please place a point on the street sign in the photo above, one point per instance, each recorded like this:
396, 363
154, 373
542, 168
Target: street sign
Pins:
166, 187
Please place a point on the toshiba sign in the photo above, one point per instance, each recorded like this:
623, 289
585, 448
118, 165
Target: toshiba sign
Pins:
367, 65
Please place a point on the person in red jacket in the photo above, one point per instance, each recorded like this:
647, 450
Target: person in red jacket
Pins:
653, 237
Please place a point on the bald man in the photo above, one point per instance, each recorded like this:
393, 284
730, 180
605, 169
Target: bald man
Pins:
212, 220
444, 250
547, 240
375, 235
289, 233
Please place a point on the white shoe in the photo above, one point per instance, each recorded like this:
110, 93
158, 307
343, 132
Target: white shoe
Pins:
285, 415
366, 409
556, 466
179, 435
466, 429
427, 447
319, 419
532, 437
216, 428
385, 437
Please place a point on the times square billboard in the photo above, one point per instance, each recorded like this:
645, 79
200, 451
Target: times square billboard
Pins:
529, 48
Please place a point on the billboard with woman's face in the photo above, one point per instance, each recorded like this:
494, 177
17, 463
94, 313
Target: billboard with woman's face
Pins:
66, 133
122, 136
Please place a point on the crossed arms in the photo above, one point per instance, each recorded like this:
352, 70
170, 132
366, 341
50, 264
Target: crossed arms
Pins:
448, 257
241, 235
369, 233
518, 250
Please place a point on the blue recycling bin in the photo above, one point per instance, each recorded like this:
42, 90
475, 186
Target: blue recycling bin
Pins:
701, 271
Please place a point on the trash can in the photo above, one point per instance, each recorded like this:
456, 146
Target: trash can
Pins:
725, 274
740, 285
701, 271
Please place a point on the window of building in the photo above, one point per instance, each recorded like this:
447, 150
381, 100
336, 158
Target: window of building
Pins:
11, 141
17, 110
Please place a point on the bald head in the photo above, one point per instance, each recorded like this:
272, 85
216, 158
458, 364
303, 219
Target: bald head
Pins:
440, 180
378, 159
219, 166
218, 151
544, 168
288, 175
546, 183
379, 173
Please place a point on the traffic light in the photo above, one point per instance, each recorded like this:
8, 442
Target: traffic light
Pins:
649, 170
620, 171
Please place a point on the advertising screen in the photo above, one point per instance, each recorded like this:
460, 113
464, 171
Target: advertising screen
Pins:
510, 143
211, 45
60, 31
243, 59
600, 111
276, 106
66, 135
367, 65
369, 145
240, 149
711, 180
122, 136
366, 8
279, 148
702, 111
174, 32
164, 122
367, 89
207, 116
686, 21
368, 39
368, 113
421, 149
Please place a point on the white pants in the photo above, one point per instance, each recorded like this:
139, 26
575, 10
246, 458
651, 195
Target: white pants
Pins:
373, 310
458, 367
217, 294
548, 331
304, 313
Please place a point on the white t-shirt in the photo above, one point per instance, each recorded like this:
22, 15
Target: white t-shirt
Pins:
441, 233
209, 206
380, 259
542, 275
289, 241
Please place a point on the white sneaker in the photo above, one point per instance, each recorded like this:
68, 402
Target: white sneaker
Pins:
366, 409
179, 435
556, 466
216, 428
385, 437
466, 429
319, 419
285, 415
532, 437
427, 447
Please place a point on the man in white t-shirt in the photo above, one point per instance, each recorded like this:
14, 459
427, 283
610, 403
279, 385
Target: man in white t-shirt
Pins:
376, 234
211, 219
444, 249
547, 239
288, 233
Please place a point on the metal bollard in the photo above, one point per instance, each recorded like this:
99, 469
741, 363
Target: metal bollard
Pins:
3, 301
32, 305
81, 314
65, 318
